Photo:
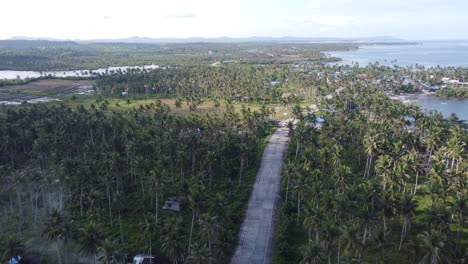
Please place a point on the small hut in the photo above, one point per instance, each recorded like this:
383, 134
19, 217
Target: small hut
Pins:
173, 203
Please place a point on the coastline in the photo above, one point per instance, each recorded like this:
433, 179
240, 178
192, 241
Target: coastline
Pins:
429, 101
426, 53
407, 98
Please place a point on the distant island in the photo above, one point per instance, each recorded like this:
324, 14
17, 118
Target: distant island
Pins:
286, 39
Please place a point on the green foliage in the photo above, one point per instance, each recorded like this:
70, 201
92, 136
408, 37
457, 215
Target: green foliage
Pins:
51, 55
458, 92
374, 191
12, 247
99, 179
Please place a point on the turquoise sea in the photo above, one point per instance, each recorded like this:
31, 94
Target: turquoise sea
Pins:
429, 53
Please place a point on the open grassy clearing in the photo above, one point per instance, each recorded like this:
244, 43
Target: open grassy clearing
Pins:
74, 93
206, 107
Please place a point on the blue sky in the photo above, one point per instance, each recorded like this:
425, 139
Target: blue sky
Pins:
91, 19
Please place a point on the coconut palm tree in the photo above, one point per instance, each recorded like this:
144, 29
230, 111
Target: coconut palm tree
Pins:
195, 198
383, 169
370, 148
210, 227
407, 208
12, 247
386, 204
434, 242
460, 212
455, 147
172, 237
313, 221
89, 239
199, 254
54, 230
148, 230
300, 189
312, 254
352, 241
108, 253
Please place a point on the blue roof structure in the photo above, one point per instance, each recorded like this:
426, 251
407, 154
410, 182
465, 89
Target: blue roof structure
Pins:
319, 120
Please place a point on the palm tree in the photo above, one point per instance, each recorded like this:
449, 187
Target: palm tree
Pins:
352, 241
195, 199
342, 173
90, 239
12, 248
148, 230
288, 173
331, 232
243, 157
386, 204
383, 169
407, 208
434, 241
313, 221
108, 254
300, 189
299, 136
157, 185
210, 228
414, 159
171, 240
432, 141
54, 229
455, 147
199, 254
460, 211
311, 254
370, 148
381, 243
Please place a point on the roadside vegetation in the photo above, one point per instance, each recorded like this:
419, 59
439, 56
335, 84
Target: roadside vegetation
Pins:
378, 182
84, 177
87, 179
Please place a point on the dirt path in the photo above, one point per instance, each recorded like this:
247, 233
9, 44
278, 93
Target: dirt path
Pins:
257, 231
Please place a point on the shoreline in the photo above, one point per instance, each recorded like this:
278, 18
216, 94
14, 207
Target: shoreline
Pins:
83, 73
391, 56
441, 104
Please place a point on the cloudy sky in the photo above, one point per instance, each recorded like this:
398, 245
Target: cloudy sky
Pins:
95, 19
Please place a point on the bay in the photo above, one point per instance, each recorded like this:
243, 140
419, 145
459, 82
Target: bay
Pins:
446, 106
429, 54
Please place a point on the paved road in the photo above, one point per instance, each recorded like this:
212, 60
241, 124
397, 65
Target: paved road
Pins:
256, 234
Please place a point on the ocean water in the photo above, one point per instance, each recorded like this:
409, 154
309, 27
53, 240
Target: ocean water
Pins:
446, 106
75, 73
442, 53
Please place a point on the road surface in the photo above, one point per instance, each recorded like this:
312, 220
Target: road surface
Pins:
256, 234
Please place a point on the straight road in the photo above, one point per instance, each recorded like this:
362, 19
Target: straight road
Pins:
256, 235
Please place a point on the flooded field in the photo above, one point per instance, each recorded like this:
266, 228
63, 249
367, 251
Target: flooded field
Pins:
43, 91
17, 99
10, 74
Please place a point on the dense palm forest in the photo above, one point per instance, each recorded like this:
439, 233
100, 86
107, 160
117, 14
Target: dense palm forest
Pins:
87, 185
40, 55
232, 82
377, 182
